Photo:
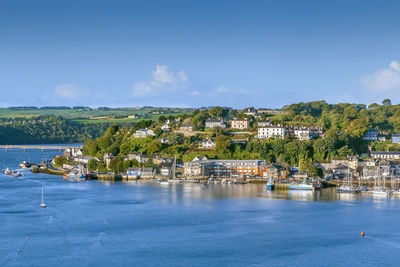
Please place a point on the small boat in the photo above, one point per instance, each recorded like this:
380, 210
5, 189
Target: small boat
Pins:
75, 177
164, 182
25, 165
271, 184
362, 188
380, 191
301, 186
7, 171
318, 185
346, 189
43, 205
16, 174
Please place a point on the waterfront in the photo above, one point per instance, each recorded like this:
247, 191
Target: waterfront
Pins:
147, 224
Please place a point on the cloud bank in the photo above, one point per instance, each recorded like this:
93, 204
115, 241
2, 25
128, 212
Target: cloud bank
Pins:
163, 80
383, 80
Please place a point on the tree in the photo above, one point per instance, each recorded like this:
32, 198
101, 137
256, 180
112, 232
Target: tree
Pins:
59, 161
161, 120
152, 147
215, 112
176, 138
387, 102
90, 147
222, 144
92, 164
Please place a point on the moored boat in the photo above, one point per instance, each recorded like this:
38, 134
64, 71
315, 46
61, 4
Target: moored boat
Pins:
271, 184
346, 189
25, 165
301, 186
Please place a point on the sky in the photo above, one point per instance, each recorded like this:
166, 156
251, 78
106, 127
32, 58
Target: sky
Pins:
188, 53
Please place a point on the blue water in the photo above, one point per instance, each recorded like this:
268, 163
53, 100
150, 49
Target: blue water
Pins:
95, 223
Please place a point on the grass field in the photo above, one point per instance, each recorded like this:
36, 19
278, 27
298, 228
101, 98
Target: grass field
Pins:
95, 115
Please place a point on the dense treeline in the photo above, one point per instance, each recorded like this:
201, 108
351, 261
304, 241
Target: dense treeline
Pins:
47, 130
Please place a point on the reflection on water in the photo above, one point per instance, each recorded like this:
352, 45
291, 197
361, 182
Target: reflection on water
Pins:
177, 191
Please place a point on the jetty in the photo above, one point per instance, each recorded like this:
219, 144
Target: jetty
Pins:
41, 147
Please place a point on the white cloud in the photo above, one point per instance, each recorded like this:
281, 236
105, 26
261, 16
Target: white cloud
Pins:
69, 91
226, 90
383, 80
163, 80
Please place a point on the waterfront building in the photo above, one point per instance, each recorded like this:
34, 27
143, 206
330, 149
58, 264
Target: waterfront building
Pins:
141, 158
229, 168
272, 131
371, 135
140, 172
385, 154
107, 157
84, 159
396, 138
143, 133
214, 123
158, 160
165, 171
240, 123
354, 163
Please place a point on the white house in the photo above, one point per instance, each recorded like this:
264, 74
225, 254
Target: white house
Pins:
263, 123
207, 143
272, 131
214, 123
166, 127
143, 133
302, 133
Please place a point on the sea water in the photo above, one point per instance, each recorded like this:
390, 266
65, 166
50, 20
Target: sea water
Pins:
96, 223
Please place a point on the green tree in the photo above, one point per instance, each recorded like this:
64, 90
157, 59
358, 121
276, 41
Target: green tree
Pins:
222, 144
92, 165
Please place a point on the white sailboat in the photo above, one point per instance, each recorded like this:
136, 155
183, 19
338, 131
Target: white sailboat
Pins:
348, 186
173, 173
379, 189
43, 205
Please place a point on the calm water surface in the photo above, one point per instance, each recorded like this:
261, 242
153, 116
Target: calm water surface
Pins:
146, 224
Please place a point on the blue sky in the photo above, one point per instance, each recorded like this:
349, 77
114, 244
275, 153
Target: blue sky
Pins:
198, 53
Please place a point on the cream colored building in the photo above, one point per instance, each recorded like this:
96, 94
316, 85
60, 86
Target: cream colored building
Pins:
240, 124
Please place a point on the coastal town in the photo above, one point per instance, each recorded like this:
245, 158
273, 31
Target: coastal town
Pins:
231, 148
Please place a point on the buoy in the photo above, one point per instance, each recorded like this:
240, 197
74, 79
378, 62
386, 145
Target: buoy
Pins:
362, 233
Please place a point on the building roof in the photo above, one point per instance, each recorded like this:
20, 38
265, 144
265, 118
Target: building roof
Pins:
385, 152
213, 120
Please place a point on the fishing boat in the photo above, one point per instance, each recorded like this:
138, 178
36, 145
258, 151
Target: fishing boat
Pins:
301, 186
271, 184
43, 205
